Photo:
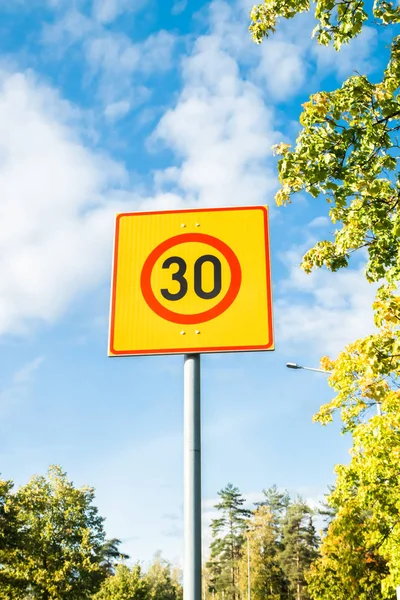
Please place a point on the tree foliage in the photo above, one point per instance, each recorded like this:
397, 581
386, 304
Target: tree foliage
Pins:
337, 22
363, 538
348, 153
267, 578
277, 504
10, 585
55, 547
228, 536
124, 584
274, 545
163, 581
299, 547
347, 150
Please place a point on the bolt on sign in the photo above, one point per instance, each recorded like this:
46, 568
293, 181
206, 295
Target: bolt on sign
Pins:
191, 281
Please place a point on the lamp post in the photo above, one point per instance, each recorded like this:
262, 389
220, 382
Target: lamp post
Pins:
248, 569
291, 365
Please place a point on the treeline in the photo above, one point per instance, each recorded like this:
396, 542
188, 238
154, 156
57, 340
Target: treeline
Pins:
263, 553
160, 582
53, 547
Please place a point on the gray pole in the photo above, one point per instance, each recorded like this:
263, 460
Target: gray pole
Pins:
378, 409
192, 479
248, 569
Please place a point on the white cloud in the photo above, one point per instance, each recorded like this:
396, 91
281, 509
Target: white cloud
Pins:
157, 51
58, 200
13, 395
56, 207
222, 131
282, 67
119, 63
178, 7
57, 3
112, 53
107, 11
357, 57
319, 222
116, 54
289, 62
25, 373
323, 310
55, 199
117, 110
280, 64
289, 59
66, 30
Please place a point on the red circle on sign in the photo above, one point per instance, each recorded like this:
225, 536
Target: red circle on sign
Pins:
207, 315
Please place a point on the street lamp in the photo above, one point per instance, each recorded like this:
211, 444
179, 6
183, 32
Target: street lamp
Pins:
291, 365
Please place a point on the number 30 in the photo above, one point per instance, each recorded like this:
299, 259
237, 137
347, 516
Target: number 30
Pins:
198, 277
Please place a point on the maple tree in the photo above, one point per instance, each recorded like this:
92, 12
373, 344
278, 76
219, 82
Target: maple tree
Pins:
347, 152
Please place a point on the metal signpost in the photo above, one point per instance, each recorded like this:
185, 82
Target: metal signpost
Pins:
192, 479
190, 282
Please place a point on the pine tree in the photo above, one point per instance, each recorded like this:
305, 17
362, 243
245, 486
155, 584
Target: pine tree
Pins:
226, 547
260, 565
327, 512
300, 543
277, 503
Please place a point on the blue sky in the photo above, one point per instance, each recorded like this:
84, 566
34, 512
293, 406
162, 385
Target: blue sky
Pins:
106, 107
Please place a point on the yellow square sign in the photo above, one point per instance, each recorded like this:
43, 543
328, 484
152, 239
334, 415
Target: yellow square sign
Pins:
191, 281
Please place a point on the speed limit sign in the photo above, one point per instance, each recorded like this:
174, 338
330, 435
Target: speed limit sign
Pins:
191, 281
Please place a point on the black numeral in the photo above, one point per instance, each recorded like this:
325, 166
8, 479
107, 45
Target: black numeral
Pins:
198, 277
178, 276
